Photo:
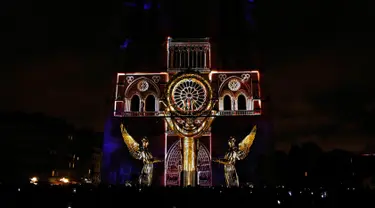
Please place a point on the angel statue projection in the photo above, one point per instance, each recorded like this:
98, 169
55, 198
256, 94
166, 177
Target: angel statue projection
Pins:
140, 153
235, 153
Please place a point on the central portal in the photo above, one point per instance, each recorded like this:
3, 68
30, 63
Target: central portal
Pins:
174, 164
189, 114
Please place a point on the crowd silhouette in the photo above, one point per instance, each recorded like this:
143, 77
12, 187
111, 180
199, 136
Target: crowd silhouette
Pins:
120, 196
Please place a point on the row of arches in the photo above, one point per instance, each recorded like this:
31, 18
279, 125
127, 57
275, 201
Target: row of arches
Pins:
231, 103
148, 104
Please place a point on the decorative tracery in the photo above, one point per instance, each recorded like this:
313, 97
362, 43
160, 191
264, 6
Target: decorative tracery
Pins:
234, 85
173, 165
189, 95
204, 166
142, 85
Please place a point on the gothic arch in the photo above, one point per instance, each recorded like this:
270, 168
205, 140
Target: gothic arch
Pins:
242, 92
150, 105
134, 84
133, 101
227, 102
174, 161
173, 165
223, 95
241, 102
225, 82
227, 92
204, 166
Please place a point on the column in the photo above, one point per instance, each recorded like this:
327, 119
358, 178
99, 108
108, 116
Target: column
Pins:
205, 57
127, 104
169, 54
171, 65
189, 161
209, 57
188, 57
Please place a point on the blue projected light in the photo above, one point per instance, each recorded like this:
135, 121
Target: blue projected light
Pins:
249, 12
130, 4
111, 145
125, 44
147, 6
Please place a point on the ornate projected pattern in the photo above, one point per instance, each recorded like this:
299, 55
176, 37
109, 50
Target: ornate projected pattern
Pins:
189, 95
234, 85
204, 166
173, 165
142, 86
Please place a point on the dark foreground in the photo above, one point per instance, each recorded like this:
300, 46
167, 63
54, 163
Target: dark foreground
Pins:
111, 196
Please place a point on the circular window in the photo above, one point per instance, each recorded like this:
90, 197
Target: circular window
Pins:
143, 86
189, 94
234, 85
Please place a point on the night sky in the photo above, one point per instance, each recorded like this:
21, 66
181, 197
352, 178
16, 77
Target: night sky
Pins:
315, 57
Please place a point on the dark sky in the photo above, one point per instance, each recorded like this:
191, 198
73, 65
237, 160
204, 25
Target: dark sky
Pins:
315, 58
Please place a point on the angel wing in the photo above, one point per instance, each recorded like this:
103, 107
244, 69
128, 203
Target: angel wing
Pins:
132, 145
245, 144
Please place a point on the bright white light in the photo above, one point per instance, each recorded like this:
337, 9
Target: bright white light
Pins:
278, 202
19, 189
34, 180
290, 193
323, 195
74, 190
64, 180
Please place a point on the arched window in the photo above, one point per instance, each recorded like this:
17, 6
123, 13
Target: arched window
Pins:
135, 101
227, 103
241, 102
150, 103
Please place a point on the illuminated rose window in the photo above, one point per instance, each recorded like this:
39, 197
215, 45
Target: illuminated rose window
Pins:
234, 85
142, 86
189, 95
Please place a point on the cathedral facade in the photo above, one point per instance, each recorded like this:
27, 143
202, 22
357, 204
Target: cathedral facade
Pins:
139, 96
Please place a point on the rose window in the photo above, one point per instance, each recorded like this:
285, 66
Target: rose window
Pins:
142, 86
189, 95
234, 85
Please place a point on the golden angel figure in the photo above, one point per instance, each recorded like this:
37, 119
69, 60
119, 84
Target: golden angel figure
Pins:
141, 153
235, 153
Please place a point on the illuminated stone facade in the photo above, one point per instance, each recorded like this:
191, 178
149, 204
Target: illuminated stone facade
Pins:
235, 93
